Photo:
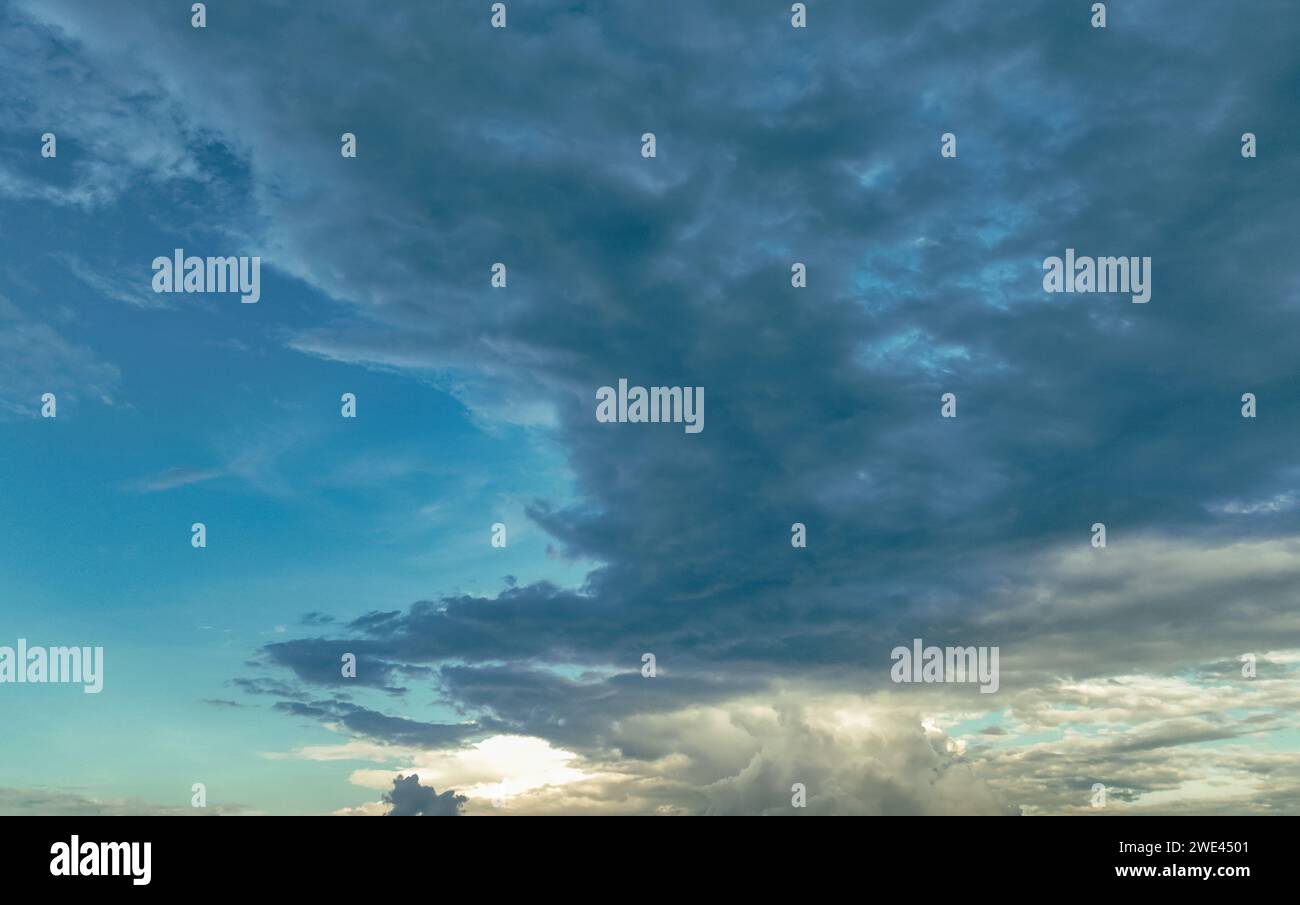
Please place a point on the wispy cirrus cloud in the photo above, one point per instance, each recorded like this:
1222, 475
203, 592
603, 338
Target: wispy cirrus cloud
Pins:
175, 477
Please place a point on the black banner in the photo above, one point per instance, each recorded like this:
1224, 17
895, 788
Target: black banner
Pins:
300, 854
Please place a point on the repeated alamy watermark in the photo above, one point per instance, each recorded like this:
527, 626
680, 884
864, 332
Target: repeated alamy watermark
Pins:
180, 273
638, 405
946, 664
1084, 274
53, 665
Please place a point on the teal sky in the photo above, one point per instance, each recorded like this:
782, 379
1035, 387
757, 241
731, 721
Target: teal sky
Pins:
205, 415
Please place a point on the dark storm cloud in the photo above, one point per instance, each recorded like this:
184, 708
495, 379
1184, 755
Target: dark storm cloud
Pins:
924, 278
320, 662
384, 728
403, 731
262, 685
822, 403
303, 708
580, 713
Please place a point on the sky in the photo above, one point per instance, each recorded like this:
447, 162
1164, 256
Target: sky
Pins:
499, 680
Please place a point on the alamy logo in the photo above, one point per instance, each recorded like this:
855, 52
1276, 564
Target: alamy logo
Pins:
194, 274
676, 405
951, 664
103, 859
1130, 275
37, 665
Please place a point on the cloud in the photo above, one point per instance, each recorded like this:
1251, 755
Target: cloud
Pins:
410, 799
36, 359
111, 132
123, 287
175, 477
16, 802
853, 754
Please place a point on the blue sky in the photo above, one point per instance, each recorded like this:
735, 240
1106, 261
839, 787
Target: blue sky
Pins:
512, 676
215, 421
174, 413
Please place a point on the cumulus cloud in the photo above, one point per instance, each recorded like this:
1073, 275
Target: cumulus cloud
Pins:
410, 799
